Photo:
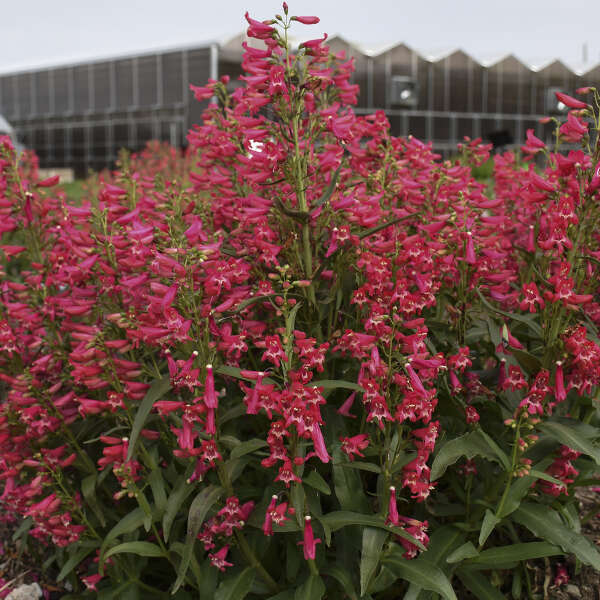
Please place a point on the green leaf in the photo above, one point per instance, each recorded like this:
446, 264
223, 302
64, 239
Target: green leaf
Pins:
312, 589
535, 327
329, 384
541, 475
115, 593
470, 445
297, 498
88, 490
23, 529
250, 301
361, 466
529, 362
145, 506
504, 460
291, 321
157, 390
206, 576
139, 548
420, 572
157, 484
247, 447
176, 499
342, 518
348, 485
372, 543
286, 595
130, 522
343, 577
545, 523
316, 481
568, 435
201, 504
74, 561
467, 550
479, 585
441, 544
519, 489
236, 588
506, 555
490, 520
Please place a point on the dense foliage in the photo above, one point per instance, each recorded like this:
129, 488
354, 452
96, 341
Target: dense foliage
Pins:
306, 359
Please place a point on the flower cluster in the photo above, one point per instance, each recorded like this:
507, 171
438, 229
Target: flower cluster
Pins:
260, 344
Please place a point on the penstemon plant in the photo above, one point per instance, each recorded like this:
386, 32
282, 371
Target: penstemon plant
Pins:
305, 359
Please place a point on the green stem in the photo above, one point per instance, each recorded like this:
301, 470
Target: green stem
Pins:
513, 466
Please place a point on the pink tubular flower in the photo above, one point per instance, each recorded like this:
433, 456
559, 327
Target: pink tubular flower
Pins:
533, 144
574, 129
268, 524
353, 445
393, 517
258, 30
310, 543
559, 385
319, 443
307, 20
531, 298
569, 101
217, 559
562, 575
470, 257
91, 581
210, 395
344, 409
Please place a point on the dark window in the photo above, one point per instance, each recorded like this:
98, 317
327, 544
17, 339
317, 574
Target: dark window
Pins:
121, 135
101, 73
147, 79
417, 127
23, 95
124, 83
6, 96
81, 88
42, 90
172, 77
62, 102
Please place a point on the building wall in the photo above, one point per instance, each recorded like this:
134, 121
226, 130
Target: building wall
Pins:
81, 115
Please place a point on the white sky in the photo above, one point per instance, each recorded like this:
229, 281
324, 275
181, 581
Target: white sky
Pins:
43, 32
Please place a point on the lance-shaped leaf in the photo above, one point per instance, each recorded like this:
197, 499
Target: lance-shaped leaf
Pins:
420, 572
157, 390
201, 504
470, 445
570, 435
236, 588
546, 524
372, 543
139, 548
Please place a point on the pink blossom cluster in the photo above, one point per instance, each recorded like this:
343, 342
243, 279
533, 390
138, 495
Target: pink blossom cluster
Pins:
341, 294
